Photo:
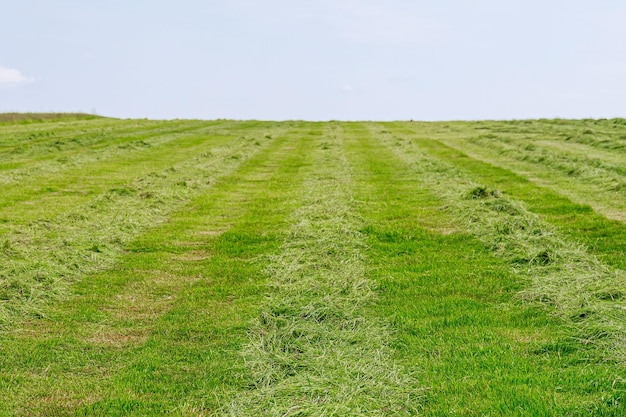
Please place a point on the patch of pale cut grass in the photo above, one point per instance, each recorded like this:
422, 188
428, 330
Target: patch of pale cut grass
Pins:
314, 351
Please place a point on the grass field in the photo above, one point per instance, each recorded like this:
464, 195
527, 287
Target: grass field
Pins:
247, 268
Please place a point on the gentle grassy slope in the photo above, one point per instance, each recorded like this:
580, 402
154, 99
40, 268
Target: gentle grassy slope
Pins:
258, 268
26, 118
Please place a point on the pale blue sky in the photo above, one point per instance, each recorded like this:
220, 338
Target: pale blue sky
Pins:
315, 60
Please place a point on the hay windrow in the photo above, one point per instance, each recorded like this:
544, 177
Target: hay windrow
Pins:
561, 273
608, 176
39, 261
312, 352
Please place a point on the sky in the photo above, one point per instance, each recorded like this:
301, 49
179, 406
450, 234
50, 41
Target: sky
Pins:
315, 60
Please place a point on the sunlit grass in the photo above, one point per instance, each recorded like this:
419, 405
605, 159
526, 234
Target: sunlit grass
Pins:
259, 268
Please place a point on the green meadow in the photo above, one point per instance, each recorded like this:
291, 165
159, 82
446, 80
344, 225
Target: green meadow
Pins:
254, 268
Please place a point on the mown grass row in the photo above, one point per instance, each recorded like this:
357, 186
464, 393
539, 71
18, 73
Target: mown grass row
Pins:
599, 134
314, 351
609, 176
547, 154
25, 153
160, 333
41, 256
585, 292
111, 168
62, 171
580, 221
456, 306
309, 269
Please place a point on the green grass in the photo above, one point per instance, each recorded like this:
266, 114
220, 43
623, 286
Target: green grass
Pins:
303, 269
136, 329
26, 118
585, 172
458, 312
313, 350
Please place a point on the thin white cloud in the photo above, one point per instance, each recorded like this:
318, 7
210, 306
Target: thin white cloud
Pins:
10, 77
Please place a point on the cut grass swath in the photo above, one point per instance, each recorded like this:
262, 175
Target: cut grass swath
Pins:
584, 292
402, 276
314, 351
40, 260
455, 307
